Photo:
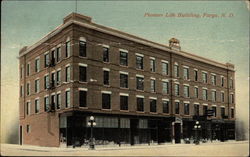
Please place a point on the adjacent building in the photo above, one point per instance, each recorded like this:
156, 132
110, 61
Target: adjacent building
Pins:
138, 91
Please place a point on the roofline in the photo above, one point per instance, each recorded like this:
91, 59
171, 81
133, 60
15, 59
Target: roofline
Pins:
127, 36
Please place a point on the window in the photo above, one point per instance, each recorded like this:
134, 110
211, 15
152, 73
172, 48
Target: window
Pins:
106, 77
152, 65
139, 62
196, 92
28, 69
58, 77
204, 110
165, 87
123, 58
37, 86
53, 102
213, 96
177, 89
204, 94
152, 105
28, 108
232, 113
196, 109
37, 65
186, 73
164, 66
53, 79
139, 83
58, 101
67, 99
222, 112
231, 98
82, 74
58, 54
177, 107
123, 80
123, 102
165, 105
21, 71
214, 110
53, 56
28, 129
186, 108
67, 74
46, 60
176, 70
140, 104
28, 88
46, 81
204, 77
21, 91
231, 82
67, 49
46, 103
222, 97
37, 105
196, 75
105, 54
222, 81
152, 85
82, 49
82, 98
186, 91
106, 101
213, 79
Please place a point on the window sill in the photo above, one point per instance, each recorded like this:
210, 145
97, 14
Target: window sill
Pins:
153, 112
83, 57
124, 110
106, 109
124, 88
140, 111
83, 107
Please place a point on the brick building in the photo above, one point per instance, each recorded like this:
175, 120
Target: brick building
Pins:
138, 91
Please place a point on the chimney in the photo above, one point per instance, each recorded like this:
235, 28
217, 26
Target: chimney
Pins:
174, 44
77, 17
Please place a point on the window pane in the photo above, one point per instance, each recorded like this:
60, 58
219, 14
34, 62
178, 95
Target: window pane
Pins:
106, 77
140, 104
123, 80
106, 54
152, 65
152, 85
106, 101
82, 49
165, 105
123, 102
152, 105
164, 68
139, 83
177, 107
124, 58
82, 98
139, 62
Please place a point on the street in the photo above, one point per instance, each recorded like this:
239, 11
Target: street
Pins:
232, 148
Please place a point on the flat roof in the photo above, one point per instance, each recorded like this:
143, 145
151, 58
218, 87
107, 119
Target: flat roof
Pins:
108, 30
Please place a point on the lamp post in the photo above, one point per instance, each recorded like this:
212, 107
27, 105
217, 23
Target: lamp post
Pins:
197, 127
91, 123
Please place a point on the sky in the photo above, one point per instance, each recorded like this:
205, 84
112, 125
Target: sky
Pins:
223, 39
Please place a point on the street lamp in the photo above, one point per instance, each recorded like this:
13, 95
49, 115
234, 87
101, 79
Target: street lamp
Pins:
91, 123
197, 127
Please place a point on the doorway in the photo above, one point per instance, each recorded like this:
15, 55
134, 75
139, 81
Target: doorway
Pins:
177, 132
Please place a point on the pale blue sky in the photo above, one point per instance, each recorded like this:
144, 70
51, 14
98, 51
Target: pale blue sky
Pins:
220, 39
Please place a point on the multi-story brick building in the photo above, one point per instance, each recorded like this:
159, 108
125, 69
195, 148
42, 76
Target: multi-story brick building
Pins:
138, 91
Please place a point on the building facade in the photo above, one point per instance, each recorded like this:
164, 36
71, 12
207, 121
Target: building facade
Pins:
138, 91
